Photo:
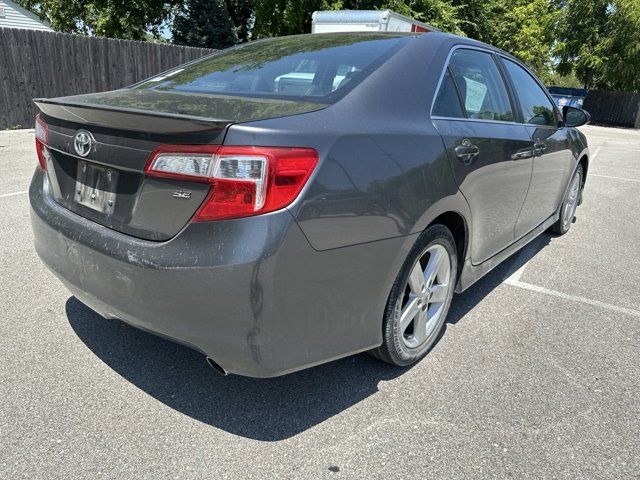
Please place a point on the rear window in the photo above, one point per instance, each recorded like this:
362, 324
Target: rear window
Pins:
317, 68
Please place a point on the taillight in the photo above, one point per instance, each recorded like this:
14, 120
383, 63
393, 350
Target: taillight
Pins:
42, 139
244, 181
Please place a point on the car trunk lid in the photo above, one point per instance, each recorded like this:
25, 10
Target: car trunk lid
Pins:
107, 183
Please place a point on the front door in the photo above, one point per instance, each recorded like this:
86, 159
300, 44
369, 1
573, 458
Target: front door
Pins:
490, 154
551, 150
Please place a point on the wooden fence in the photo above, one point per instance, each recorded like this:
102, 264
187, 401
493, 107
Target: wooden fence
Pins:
614, 108
45, 64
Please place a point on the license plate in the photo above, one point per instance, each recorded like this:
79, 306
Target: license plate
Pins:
96, 187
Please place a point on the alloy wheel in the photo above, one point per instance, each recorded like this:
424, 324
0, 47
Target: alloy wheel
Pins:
426, 293
572, 201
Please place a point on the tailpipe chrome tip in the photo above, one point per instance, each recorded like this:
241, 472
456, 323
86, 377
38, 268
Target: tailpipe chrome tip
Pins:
217, 367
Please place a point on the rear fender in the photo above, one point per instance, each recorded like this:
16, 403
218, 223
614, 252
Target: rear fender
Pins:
452, 203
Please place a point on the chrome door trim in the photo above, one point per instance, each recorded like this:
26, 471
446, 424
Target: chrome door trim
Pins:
491, 52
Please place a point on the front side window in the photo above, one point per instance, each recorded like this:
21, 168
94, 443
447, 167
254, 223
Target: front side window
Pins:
536, 107
481, 85
310, 67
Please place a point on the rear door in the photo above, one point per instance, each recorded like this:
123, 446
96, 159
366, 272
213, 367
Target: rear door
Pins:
489, 152
551, 149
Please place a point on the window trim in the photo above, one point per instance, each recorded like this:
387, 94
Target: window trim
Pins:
535, 78
463, 108
515, 101
466, 118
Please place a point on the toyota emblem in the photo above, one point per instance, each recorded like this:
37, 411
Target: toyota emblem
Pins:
83, 142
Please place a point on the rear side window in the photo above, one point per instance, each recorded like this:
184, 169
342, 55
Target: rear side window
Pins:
536, 107
481, 85
309, 67
447, 103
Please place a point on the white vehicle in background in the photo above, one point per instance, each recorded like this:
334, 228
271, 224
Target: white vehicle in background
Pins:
329, 21
332, 21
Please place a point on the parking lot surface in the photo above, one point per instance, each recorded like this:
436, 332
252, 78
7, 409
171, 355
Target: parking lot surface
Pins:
536, 376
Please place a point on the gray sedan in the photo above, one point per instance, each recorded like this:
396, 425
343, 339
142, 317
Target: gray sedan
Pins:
291, 201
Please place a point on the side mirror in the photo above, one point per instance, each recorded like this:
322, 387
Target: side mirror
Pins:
575, 117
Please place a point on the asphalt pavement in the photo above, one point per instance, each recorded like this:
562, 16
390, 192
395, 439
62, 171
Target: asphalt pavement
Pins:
536, 376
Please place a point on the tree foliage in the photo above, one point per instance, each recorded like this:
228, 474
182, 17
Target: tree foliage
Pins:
621, 48
594, 41
275, 18
478, 18
600, 41
579, 34
131, 19
204, 23
526, 31
241, 13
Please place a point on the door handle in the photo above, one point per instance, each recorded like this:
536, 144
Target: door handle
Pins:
467, 151
539, 148
520, 154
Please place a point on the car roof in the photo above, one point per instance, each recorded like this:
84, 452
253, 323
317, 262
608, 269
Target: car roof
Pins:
431, 37
443, 37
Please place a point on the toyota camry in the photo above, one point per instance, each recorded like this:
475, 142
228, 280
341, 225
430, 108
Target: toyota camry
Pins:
295, 200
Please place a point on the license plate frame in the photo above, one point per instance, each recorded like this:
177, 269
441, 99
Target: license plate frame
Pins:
96, 187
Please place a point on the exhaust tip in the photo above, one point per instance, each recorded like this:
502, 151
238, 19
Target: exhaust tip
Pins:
217, 367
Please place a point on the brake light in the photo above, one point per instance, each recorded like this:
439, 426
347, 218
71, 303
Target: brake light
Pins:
244, 181
42, 139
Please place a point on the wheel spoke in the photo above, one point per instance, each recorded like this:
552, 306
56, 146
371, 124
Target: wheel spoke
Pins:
438, 293
433, 266
408, 313
416, 279
420, 328
433, 316
567, 214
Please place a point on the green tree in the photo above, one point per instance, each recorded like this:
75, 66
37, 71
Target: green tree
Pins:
479, 19
621, 48
600, 43
204, 23
274, 18
557, 80
241, 12
580, 33
131, 20
525, 30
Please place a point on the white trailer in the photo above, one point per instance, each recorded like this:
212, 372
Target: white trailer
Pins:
329, 21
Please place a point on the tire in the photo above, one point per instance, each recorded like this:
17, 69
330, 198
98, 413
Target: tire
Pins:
569, 204
419, 300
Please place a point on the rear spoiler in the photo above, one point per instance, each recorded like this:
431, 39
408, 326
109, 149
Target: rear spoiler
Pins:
125, 118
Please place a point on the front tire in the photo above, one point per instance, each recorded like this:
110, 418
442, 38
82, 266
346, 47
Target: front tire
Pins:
570, 204
420, 298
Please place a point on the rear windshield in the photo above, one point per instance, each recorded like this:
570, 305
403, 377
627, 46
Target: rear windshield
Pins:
318, 68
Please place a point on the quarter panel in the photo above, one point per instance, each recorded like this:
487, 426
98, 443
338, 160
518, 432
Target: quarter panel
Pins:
374, 186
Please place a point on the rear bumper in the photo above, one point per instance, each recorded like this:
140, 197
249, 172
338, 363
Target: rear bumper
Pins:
250, 293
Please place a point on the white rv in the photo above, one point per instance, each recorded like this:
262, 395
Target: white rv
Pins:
329, 21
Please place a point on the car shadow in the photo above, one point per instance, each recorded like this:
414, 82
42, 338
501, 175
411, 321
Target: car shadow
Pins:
476, 293
262, 409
